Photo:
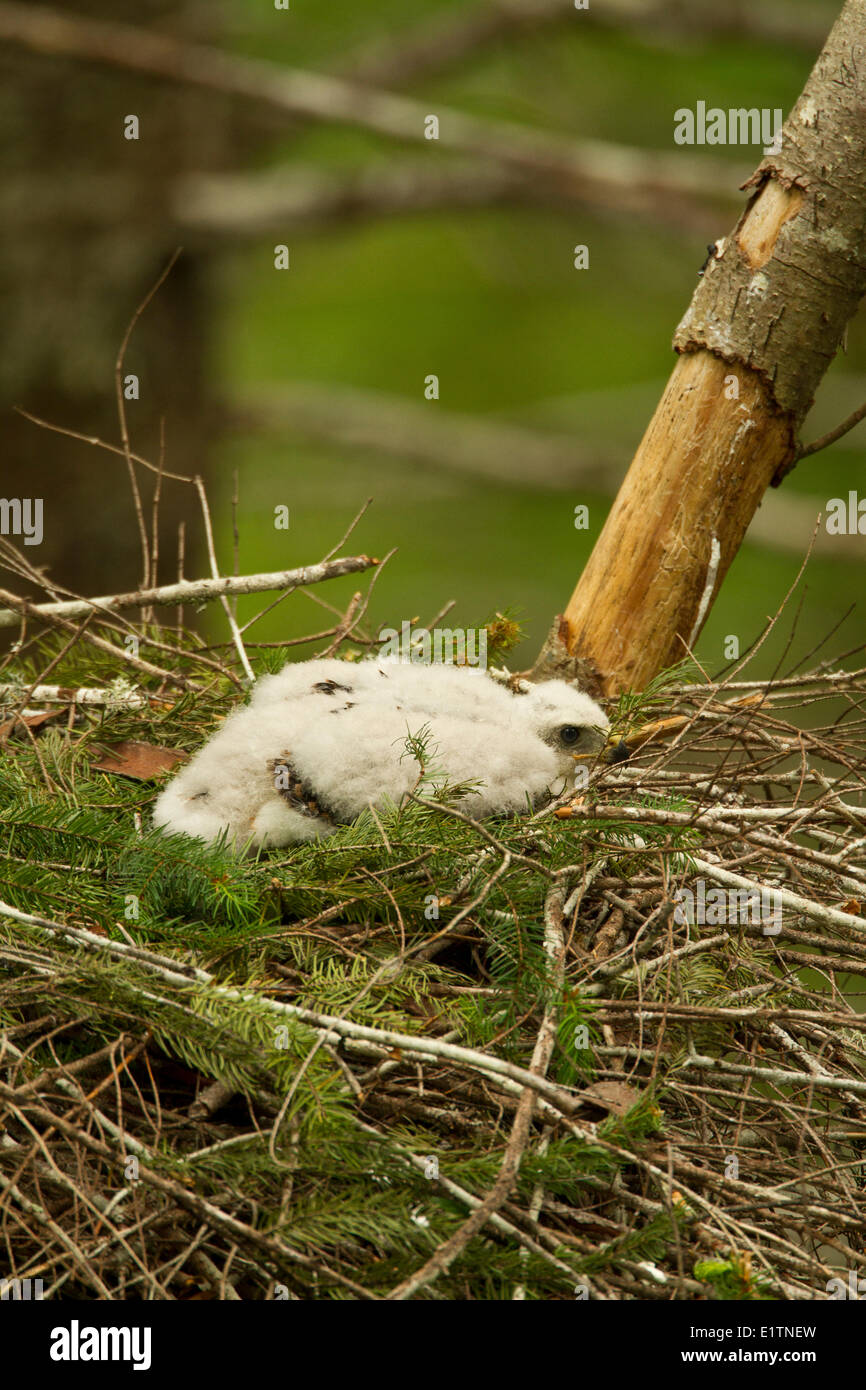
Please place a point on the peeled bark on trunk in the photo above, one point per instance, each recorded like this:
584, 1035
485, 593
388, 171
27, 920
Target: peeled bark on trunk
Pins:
765, 322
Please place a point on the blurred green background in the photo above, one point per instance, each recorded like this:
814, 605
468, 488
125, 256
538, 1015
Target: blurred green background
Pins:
489, 301
485, 297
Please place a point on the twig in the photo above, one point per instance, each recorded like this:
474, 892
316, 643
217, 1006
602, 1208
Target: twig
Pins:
117, 653
121, 412
817, 911
326, 1024
153, 579
236, 538
195, 590
97, 443
826, 440
24, 697
442, 1259
232, 621
344, 627
181, 553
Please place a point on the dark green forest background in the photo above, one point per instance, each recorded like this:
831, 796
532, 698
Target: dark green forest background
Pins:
488, 299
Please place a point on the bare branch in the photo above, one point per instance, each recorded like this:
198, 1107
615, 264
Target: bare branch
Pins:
121, 414
830, 438
487, 447
195, 590
235, 206
442, 1258
80, 695
586, 165
451, 38
232, 620
18, 606
473, 444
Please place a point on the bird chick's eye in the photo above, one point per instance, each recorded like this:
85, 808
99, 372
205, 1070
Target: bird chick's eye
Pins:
569, 734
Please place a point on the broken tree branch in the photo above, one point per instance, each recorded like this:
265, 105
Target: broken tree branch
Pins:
196, 590
765, 322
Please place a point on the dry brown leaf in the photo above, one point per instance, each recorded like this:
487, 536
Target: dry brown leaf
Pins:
141, 761
33, 721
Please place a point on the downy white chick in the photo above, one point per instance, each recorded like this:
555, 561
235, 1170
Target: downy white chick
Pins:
323, 739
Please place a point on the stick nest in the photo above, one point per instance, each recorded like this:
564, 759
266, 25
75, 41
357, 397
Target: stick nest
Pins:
429, 1057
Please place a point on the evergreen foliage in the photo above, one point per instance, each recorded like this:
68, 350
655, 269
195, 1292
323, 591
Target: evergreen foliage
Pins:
309, 983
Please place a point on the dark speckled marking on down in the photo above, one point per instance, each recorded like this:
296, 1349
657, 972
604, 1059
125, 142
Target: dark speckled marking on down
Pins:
299, 794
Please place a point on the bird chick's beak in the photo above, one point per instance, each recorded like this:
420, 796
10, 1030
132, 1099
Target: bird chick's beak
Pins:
603, 750
614, 750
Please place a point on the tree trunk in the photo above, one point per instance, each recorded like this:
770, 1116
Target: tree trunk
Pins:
87, 222
765, 322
